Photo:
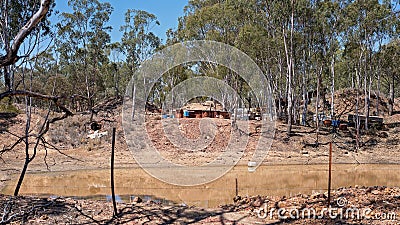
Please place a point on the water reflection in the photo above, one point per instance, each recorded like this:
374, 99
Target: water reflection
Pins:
266, 180
117, 198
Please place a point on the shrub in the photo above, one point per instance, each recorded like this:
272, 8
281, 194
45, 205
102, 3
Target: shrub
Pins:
7, 107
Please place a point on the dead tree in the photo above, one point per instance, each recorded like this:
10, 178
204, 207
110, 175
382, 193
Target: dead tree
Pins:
54, 100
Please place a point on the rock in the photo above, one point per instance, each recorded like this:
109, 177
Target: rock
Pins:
137, 199
78, 207
371, 200
97, 134
44, 217
237, 198
251, 164
389, 205
282, 205
369, 189
258, 202
244, 201
383, 135
366, 202
371, 142
316, 195
375, 192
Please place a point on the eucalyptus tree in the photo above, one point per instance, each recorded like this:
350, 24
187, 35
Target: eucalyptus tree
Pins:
387, 55
138, 42
367, 25
114, 80
295, 41
389, 60
82, 39
21, 22
324, 25
237, 23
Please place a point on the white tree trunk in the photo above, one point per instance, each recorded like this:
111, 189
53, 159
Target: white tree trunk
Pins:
333, 88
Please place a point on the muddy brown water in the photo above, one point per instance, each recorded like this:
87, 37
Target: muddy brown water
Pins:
266, 180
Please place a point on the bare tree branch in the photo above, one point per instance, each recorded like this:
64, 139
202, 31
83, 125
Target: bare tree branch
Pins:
39, 96
58, 150
28, 94
9, 215
12, 56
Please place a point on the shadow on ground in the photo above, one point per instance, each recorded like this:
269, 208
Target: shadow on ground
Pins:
6, 119
35, 210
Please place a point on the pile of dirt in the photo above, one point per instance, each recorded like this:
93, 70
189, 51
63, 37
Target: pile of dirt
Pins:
345, 102
180, 152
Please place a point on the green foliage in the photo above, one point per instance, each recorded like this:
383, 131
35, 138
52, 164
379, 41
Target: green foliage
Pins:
83, 39
7, 107
322, 30
138, 42
360, 36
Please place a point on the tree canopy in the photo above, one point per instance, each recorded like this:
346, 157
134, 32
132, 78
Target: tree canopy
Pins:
301, 46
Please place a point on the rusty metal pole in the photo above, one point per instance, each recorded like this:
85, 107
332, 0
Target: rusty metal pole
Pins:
112, 173
330, 174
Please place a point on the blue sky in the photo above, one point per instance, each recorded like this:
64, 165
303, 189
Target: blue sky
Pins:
167, 12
